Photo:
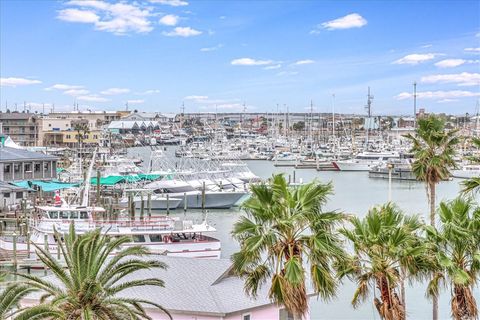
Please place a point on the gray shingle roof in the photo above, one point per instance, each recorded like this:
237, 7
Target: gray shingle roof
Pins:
193, 286
196, 286
9, 154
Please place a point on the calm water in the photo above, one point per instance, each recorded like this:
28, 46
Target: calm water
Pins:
354, 193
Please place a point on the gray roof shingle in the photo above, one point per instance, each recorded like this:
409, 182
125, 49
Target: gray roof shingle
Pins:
9, 154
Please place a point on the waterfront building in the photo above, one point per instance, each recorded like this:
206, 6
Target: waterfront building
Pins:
20, 164
22, 127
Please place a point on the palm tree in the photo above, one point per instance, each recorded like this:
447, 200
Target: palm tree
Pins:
10, 298
88, 288
473, 184
457, 243
82, 130
387, 248
284, 235
434, 149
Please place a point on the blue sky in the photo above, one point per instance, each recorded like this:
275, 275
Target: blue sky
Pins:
220, 55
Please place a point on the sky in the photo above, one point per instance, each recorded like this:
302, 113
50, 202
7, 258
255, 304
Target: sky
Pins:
231, 56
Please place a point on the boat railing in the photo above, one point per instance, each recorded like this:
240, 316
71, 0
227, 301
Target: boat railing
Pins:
156, 223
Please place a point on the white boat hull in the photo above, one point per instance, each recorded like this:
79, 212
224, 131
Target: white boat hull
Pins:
354, 166
213, 199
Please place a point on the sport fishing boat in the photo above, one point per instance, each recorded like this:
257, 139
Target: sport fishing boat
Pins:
160, 234
197, 199
365, 161
467, 171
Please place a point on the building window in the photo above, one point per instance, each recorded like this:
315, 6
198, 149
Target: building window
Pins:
6, 168
246, 317
37, 167
16, 167
6, 195
19, 195
138, 238
27, 167
45, 166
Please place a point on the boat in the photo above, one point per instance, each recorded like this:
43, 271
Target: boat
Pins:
160, 234
397, 169
365, 161
467, 171
197, 199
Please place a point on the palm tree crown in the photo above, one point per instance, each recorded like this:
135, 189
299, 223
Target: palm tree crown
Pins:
434, 149
457, 247
285, 228
387, 248
88, 288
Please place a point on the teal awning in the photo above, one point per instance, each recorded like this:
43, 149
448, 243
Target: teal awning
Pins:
108, 181
149, 176
47, 186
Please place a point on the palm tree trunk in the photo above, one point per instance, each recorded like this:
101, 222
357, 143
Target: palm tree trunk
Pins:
432, 203
432, 223
402, 287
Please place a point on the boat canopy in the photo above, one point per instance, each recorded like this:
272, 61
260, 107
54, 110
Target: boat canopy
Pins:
47, 186
112, 180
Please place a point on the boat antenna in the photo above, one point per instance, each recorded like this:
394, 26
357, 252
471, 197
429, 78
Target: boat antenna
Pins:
415, 105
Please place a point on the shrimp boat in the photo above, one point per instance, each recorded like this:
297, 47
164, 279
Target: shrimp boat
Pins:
161, 234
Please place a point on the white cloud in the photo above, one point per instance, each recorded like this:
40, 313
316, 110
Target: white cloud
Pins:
450, 63
182, 32
137, 101
169, 20
196, 98
115, 91
306, 61
250, 62
13, 82
119, 18
276, 66
426, 46
416, 58
447, 100
462, 79
76, 92
438, 95
218, 46
151, 91
173, 3
92, 98
477, 49
62, 86
353, 20
75, 15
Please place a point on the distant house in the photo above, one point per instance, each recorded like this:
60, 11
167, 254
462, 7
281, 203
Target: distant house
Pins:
133, 126
150, 116
201, 289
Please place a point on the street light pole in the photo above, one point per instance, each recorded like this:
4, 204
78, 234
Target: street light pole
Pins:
390, 167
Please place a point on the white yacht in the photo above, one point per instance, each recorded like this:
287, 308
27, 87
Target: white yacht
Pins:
365, 161
194, 198
467, 171
161, 234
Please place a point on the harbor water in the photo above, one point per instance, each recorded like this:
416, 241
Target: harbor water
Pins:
354, 193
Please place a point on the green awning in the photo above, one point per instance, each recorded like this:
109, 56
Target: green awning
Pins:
149, 176
108, 181
47, 186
